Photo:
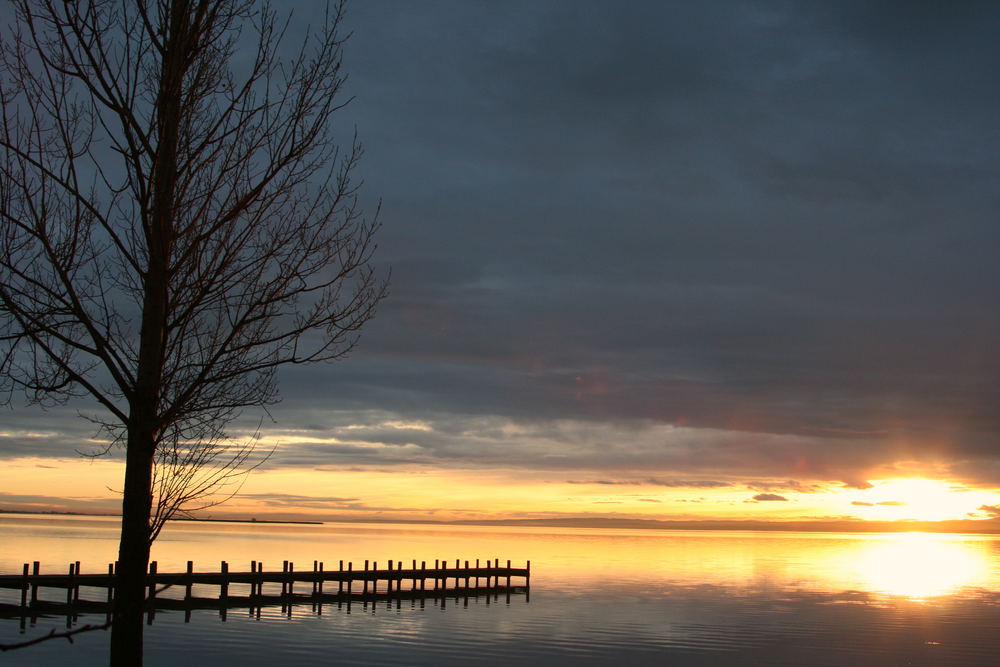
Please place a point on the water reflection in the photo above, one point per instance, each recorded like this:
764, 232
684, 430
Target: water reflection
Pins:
922, 565
914, 565
627, 596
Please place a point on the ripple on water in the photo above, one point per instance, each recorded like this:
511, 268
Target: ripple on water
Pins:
630, 599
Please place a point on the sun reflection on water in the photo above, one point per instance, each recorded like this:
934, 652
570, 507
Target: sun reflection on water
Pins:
920, 565
575, 561
599, 596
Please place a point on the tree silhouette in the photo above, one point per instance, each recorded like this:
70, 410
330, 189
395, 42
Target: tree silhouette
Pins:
178, 221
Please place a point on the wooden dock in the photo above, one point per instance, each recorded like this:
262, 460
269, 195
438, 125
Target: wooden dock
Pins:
258, 587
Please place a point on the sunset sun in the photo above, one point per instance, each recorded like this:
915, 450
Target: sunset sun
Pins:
918, 500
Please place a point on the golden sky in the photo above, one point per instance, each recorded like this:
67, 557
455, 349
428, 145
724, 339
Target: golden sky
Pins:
443, 494
656, 281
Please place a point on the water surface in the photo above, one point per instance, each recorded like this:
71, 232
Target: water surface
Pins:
597, 596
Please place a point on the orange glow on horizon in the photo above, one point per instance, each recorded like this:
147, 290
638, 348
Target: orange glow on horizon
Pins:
918, 499
443, 494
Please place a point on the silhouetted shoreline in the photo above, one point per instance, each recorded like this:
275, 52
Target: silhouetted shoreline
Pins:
195, 520
982, 526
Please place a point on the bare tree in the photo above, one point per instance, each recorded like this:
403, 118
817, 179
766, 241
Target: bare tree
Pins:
189, 477
178, 221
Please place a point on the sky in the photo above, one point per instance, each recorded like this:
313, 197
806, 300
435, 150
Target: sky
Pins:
663, 260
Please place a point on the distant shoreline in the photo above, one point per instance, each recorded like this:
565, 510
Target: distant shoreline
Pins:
980, 527
115, 516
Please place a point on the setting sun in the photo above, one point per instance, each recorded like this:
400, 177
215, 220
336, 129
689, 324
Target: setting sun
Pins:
918, 500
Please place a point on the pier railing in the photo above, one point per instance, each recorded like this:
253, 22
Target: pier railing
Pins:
344, 583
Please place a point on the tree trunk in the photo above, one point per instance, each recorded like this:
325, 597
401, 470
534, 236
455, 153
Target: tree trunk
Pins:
143, 426
133, 551
143, 433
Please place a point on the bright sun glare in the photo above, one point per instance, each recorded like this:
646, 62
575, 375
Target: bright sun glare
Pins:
920, 565
917, 499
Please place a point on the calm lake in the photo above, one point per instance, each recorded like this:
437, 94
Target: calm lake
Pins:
629, 597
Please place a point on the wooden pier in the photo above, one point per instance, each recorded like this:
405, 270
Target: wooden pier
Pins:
257, 587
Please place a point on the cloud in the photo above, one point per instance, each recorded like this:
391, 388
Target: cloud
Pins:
883, 503
776, 263
49, 503
787, 485
769, 497
603, 482
630, 449
801, 274
688, 483
991, 510
669, 483
331, 503
289, 498
56, 433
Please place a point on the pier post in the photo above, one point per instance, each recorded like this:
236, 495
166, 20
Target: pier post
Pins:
152, 580
466, 575
24, 587
340, 584
69, 585
388, 579
320, 583
34, 583
284, 584
508, 574
111, 584
527, 577
152, 593
423, 578
365, 591
224, 586
350, 581
291, 578
187, 584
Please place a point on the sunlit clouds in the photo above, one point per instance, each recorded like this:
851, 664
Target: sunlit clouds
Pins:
477, 491
637, 275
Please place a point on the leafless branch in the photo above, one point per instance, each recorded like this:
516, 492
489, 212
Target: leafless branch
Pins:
67, 635
173, 229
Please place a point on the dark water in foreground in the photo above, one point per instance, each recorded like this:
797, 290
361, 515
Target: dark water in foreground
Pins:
628, 597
